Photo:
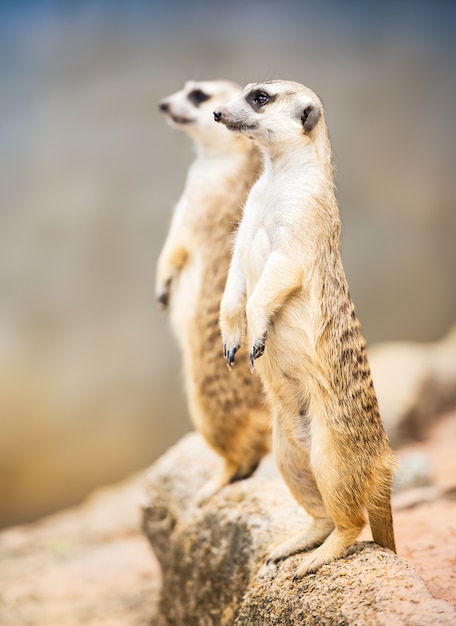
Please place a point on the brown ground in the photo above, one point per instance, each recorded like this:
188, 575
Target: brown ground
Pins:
89, 565
92, 565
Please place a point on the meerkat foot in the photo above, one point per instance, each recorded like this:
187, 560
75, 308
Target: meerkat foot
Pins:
208, 490
332, 548
230, 474
313, 536
257, 351
243, 472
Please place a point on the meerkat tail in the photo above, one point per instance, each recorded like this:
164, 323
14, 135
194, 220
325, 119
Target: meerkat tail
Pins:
381, 523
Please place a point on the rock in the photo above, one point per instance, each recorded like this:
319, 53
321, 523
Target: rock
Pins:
213, 557
414, 383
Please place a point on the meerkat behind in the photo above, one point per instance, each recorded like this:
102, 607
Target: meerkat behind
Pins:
287, 298
191, 274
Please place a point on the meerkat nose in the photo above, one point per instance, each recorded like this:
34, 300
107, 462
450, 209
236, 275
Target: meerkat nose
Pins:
217, 116
163, 106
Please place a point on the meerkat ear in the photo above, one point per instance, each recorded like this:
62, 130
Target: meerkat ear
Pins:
310, 117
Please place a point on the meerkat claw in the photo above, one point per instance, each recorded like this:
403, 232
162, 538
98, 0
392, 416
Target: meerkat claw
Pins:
229, 355
163, 302
163, 295
257, 351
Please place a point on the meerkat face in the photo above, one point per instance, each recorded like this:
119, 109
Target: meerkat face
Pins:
191, 108
277, 111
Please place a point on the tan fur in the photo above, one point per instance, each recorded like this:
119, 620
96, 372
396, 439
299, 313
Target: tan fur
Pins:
287, 295
228, 410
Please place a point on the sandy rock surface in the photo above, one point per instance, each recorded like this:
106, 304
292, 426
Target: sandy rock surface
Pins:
92, 565
213, 557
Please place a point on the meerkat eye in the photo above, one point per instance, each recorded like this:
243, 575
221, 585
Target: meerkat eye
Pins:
261, 99
197, 96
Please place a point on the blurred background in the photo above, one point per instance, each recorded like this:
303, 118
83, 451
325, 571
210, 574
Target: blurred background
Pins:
90, 384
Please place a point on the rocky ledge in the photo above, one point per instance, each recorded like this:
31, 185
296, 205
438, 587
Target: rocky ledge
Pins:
213, 557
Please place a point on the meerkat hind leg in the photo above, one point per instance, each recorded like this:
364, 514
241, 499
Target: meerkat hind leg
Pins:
217, 483
243, 472
332, 548
208, 490
348, 520
305, 540
231, 473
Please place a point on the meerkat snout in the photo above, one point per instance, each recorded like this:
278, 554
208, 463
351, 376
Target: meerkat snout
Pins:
232, 122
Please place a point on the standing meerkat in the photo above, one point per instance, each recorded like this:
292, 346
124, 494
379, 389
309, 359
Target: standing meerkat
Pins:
287, 297
191, 275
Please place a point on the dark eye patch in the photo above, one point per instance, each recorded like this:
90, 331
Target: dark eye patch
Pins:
197, 96
259, 98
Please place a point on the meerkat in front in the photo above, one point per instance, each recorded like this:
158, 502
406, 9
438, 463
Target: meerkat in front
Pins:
191, 273
287, 297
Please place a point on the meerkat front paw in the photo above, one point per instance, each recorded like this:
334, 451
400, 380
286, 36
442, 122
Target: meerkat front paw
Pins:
257, 324
229, 353
233, 330
162, 294
314, 535
257, 350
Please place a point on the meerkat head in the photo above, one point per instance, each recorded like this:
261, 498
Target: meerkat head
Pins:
191, 110
273, 112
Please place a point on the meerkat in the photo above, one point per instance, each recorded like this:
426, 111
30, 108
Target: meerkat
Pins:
230, 412
287, 298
